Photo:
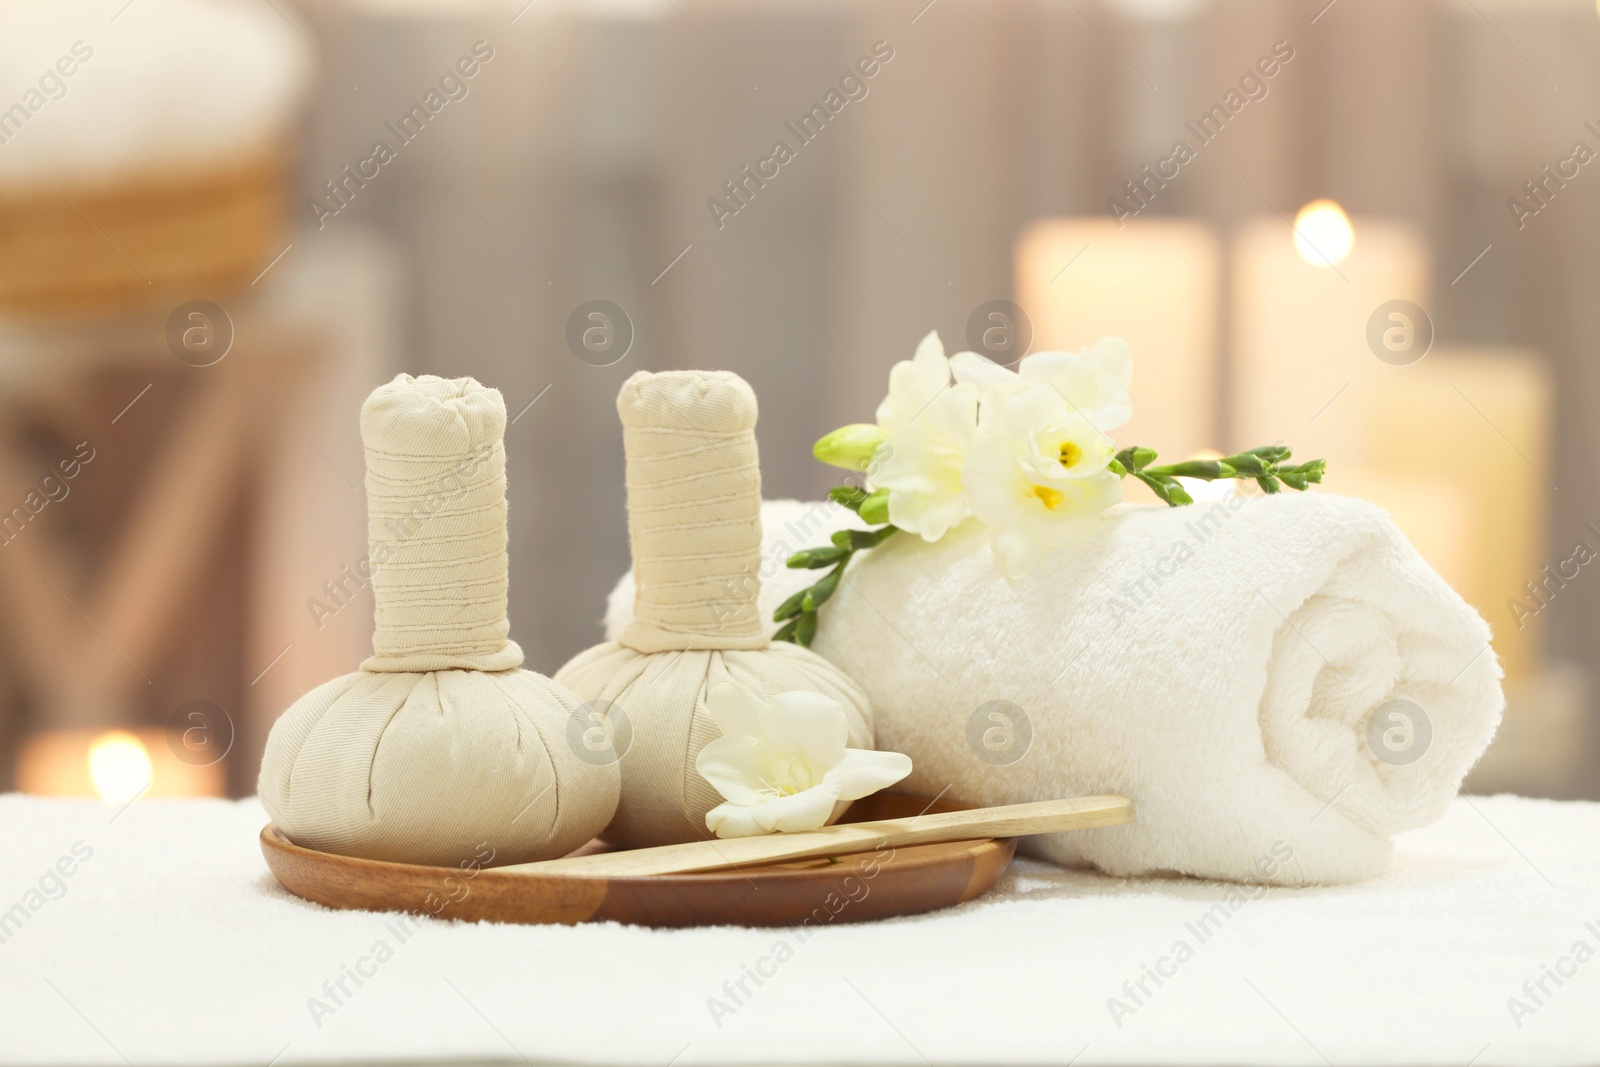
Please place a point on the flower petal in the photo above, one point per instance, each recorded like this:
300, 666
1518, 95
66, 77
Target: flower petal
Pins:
809, 724
1094, 380
915, 460
1023, 546
930, 355
922, 472
1018, 553
1089, 496
808, 809
1115, 360
735, 709
735, 767
913, 385
975, 370
952, 417
863, 771
993, 479
734, 820
927, 515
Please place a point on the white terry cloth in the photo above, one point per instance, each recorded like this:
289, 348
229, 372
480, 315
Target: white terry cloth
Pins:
1218, 663
172, 944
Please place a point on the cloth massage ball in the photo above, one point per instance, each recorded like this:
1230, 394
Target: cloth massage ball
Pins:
694, 519
439, 744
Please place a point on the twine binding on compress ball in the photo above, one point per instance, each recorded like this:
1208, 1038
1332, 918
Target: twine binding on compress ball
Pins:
436, 527
694, 513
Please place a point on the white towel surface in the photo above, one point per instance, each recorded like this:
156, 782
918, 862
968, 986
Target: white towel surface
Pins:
1219, 663
172, 944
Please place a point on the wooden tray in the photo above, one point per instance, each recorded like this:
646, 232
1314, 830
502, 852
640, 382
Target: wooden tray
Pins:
858, 888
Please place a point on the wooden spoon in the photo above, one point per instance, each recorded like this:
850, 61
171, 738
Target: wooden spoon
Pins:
1011, 820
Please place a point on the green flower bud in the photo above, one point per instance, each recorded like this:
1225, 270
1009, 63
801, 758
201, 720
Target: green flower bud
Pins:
850, 447
862, 539
805, 629
1164, 487
812, 558
875, 508
789, 608
1208, 469
1134, 458
850, 496
818, 594
1311, 470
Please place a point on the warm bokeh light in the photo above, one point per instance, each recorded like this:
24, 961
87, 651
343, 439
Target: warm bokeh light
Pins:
1322, 233
113, 763
119, 766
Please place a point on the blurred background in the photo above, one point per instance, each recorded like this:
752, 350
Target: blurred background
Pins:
1365, 228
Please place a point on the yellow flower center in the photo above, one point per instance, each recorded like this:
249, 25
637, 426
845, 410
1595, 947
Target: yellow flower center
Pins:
1070, 455
1051, 498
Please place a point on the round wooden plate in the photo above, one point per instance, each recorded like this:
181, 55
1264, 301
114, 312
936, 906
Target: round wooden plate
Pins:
856, 888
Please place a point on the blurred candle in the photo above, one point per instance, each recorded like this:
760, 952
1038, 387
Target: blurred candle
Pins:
1152, 282
1434, 513
1322, 234
119, 766
1337, 361
1478, 421
1303, 370
114, 765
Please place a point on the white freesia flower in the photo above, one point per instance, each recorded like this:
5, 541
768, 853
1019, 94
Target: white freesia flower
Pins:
782, 763
1025, 451
930, 423
1036, 473
1093, 380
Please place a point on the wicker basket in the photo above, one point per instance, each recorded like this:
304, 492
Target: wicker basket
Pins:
72, 249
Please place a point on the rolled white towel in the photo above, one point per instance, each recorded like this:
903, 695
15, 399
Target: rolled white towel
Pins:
1279, 683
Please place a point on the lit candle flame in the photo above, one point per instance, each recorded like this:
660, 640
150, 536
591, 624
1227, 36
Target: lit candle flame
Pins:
1322, 233
119, 766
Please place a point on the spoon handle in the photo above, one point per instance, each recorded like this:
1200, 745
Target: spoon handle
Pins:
1011, 820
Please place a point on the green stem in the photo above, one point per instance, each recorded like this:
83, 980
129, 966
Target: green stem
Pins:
1264, 466
799, 613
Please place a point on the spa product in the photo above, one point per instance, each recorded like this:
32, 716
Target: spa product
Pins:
694, 515
1280, 683
439, 745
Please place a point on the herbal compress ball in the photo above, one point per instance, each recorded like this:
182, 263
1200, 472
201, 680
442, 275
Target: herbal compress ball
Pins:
439, 744
694, 516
